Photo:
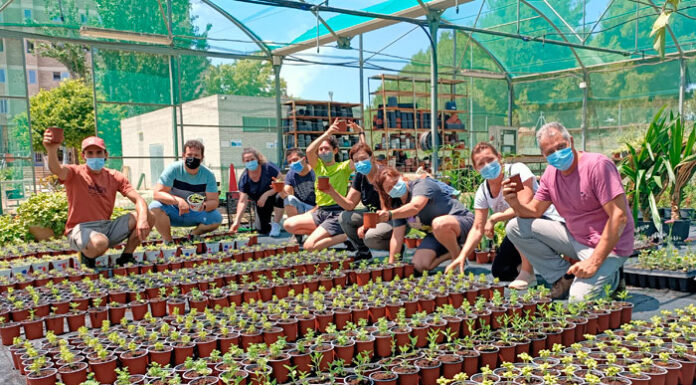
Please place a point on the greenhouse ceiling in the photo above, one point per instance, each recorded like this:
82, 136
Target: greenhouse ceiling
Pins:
515, 38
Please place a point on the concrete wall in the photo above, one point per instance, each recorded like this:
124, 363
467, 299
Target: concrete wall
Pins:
215, 120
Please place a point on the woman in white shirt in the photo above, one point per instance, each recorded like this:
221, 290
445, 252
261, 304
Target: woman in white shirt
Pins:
509, 264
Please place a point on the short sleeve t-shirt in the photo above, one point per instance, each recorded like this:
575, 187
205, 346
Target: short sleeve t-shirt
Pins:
91, 196
580, 197
303, 186
483, 198
256, 189
183, 184
339, 175
368, 195
439, 203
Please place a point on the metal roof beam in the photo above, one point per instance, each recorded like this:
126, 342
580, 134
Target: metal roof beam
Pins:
396, 18
254, 37
601, 17
555, 27
563, 20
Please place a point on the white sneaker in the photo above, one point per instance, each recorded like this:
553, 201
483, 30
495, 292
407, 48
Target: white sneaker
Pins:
523, 281
275, 230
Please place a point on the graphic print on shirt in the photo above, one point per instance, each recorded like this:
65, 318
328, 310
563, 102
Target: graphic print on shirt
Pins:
95, 189
183, 189
304, 190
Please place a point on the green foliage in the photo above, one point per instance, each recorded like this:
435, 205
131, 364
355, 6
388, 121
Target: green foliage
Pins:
45, 210
68, 106
244, 77
12, 230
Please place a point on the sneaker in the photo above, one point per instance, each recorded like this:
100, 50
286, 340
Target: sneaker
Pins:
275, 230
125, 258
523, 281
561, 287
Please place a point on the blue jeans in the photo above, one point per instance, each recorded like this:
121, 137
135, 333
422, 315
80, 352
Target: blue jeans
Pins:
301, 207
191, 218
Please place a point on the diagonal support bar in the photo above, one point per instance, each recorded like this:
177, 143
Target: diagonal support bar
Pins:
254, 37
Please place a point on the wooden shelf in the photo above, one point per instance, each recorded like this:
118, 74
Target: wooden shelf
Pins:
325, 102
417, 79
291, 121
420, 94
418, 130
321, 132
306, 117
393, 108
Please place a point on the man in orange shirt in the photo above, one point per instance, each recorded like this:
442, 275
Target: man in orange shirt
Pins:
91, 191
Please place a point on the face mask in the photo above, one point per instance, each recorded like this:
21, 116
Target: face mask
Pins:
252, 165
296, 166
193, 163
95, 164
364, 166
561, 159
491, 170
327, 157
398, 190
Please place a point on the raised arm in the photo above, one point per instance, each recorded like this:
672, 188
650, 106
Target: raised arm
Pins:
54, 165
313, 148
361, 132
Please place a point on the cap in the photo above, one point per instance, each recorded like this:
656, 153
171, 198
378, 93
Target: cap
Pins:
381, 157
93, 141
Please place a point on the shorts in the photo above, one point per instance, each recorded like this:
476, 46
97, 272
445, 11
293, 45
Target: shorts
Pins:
191, 218
328, 217
295, 202
430, 243
116, 230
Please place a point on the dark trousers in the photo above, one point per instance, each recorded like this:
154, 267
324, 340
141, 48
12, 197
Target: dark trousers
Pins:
264, 213
506, 262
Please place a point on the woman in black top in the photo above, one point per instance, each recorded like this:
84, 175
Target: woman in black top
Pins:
362, 190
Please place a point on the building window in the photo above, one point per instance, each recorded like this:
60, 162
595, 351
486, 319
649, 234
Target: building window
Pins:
32, 76
56, 76
27, 15
2, 75
83, 18
64, 75
30, 46
258, 124
3, 106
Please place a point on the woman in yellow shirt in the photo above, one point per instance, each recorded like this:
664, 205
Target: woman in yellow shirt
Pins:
322, 224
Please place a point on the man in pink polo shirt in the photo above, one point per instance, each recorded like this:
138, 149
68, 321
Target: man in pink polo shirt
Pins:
586, 190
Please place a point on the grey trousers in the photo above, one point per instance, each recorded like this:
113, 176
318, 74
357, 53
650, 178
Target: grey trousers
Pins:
543, 241
376, 239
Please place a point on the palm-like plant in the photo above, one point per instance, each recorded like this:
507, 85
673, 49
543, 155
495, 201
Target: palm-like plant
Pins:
680, 161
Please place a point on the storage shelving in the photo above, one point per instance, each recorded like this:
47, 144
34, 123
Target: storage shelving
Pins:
397, 122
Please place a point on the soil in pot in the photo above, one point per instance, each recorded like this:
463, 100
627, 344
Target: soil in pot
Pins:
135, 360
73, 374
44, 376
429, 370
383, 377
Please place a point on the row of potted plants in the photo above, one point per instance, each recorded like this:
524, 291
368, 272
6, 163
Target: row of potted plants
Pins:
667, 267
501, 328
659, 351
237, 281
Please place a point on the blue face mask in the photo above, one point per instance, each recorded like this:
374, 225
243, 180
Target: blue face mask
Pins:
364, 166
95, 164
252, 165
491, 170
327, 157
296, 166
561, 159
398, 190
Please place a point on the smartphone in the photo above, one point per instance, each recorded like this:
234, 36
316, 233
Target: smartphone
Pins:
517, 180
342, 125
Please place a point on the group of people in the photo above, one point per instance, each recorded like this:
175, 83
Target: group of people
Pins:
573, 226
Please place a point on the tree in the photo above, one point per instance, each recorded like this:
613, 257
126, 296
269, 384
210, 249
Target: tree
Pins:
244, 77
68, 106
72, 56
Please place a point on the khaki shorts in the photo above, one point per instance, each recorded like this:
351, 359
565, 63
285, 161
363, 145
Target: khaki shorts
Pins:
116, 230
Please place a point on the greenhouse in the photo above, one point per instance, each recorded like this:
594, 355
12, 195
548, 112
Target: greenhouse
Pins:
392, 192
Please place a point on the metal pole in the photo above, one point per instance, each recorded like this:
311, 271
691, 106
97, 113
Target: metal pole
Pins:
682, 86
362, 85
94, 91
181, 101
277, 63
173, 85
471, 101
584, 113
511, 101
26, 98
433, 22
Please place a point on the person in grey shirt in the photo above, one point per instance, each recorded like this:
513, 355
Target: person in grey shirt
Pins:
424, 205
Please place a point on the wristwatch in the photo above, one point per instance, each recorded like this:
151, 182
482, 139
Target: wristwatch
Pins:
390, 215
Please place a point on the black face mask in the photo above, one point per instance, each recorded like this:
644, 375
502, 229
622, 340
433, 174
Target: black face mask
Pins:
193, 163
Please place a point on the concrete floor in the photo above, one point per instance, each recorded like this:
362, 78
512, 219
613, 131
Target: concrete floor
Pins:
648, 302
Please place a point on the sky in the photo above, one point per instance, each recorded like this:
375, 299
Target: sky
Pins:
315, 82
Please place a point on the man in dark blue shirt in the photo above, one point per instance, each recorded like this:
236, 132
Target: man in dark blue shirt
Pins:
299, 184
